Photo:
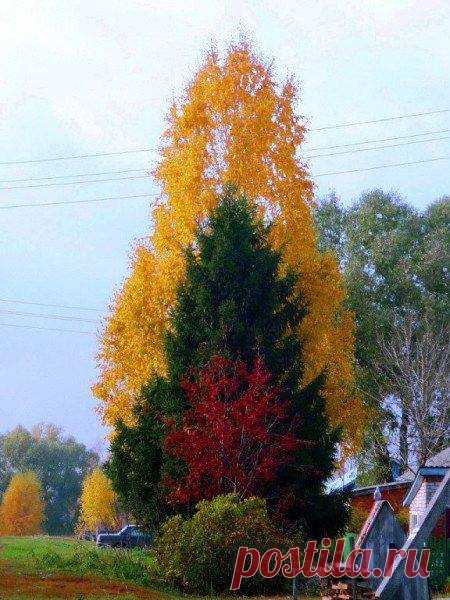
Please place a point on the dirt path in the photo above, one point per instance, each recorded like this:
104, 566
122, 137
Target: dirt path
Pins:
66, 586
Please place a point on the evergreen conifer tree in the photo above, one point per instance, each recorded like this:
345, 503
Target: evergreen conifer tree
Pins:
236, 303
136, 459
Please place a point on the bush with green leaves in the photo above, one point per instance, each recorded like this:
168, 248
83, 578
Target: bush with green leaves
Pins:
197, 554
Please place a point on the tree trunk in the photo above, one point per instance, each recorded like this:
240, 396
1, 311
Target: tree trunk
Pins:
403, 435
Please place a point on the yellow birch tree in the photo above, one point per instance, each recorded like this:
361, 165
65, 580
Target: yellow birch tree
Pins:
233, 124
22, 507
98, 503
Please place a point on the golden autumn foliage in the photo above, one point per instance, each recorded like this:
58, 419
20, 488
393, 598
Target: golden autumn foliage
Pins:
234, 124
98, 502
22, 507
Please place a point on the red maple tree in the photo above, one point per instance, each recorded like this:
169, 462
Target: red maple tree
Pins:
235, 436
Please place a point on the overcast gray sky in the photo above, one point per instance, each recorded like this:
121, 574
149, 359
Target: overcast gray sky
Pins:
82, 77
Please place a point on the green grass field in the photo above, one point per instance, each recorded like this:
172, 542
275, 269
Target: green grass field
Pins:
57, 568
75, 557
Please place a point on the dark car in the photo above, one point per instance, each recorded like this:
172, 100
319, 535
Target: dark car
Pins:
128, 537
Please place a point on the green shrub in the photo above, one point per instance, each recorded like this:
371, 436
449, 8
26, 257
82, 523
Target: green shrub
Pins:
403, 518
437, 565
198, 554
358, 517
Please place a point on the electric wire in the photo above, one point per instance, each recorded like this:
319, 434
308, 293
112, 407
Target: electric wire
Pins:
404, 164
313, 176
376, 148
48, 185
145, 169
374, 141
87, 201
44, 316
46, 328
140, 150
74, 175
382, 120
44, 304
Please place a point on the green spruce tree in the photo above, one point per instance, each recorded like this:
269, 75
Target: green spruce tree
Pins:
235, 302
136, 459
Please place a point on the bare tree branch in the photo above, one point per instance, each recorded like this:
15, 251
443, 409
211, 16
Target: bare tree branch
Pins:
414, 368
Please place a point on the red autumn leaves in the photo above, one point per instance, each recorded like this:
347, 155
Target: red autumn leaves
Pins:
234, 437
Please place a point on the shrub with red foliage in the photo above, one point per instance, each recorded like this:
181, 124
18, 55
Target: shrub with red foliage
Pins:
236, 435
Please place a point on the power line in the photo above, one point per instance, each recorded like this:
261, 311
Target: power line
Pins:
65, 306
373, 141
47, 185
38, 204
97, 154
46, 328
140, 150
382, 120
414, 162
144, 169
376, 147
42, 316
74, 175
59, 203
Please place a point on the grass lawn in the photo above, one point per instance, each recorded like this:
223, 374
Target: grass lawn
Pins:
71, 555
58, 568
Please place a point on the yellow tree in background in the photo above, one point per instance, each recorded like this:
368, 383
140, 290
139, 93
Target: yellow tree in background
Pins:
234, 124
98, 503
22, 507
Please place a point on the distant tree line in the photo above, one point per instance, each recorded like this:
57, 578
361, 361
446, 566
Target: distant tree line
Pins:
57, 462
